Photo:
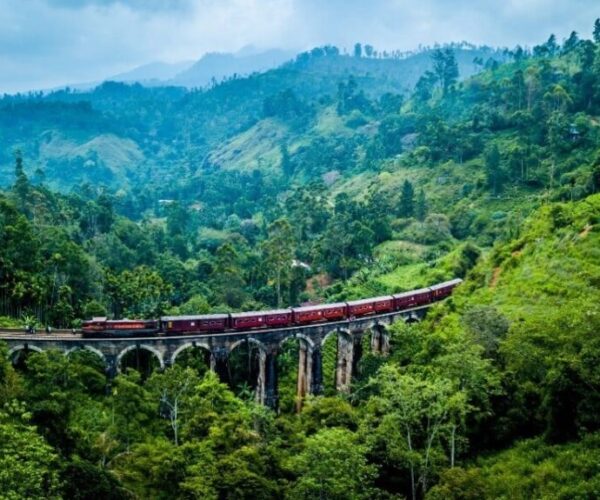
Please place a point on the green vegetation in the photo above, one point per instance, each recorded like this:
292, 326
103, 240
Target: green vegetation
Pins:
532, 469
367, 189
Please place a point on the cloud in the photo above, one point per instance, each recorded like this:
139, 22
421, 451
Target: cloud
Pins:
151, 5
47, 43
405, 24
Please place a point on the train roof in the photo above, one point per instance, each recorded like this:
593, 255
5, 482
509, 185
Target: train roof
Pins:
368, 301
198, 317
127, 320
104, 319
409, 293
446, 284
319, 307
253, 314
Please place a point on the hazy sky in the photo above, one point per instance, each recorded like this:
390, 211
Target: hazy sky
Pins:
47, 43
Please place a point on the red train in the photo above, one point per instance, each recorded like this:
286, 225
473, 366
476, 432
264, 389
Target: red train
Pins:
215, 323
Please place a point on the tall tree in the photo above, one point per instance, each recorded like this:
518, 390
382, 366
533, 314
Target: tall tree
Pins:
493, 170
333, 465
425, 86
417, 416
29, 467
407, 199
279, 252
228, 276
597, 31
445, 68
571, 42
357, 50
173, 388
551, 45
421, 206
21, 186
287, 166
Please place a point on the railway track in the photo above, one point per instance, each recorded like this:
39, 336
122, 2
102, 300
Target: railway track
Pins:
16, 334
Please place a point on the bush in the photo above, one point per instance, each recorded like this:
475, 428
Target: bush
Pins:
435, 229
93, 309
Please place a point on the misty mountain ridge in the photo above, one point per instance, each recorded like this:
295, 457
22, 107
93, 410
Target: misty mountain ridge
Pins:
215, 66
212, 67
118, 134
154, 73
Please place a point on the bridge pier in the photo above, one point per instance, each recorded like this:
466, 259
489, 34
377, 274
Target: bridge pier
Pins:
316, 380
112, 368
345, 362
271, 392
219, 363
261, 382
305, 373
357, 351
380, 340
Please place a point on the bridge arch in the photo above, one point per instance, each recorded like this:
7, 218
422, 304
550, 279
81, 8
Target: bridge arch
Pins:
245, 366
334, 333
237, 343
89, 348
188, 345
23, 347
375, 324
145, 347
18, 353
298, 336
411, 318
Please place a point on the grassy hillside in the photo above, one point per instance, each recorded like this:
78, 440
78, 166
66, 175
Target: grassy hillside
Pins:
532, 469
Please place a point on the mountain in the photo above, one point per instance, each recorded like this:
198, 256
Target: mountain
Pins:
214, 67
168, 124
155, 73
210, 68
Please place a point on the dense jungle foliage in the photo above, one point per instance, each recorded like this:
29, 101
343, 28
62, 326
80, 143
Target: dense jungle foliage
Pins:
346, 189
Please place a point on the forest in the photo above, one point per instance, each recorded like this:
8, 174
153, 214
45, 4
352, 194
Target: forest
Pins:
317, 192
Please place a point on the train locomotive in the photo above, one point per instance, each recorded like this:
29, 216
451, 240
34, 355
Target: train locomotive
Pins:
279, 318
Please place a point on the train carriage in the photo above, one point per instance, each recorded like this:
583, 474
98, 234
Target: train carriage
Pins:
375, 305
94, 325
261, 319
414, 298
323, 312
443, 290
101, 327
176, 325
278, 317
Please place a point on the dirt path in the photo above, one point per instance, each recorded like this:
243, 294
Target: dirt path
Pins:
495, 277
586, 230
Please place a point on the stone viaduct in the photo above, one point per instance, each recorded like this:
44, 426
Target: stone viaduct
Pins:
311, 339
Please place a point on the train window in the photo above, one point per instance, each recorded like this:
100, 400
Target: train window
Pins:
170, 324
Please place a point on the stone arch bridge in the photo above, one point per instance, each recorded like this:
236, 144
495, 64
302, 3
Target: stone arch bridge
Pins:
311, 339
